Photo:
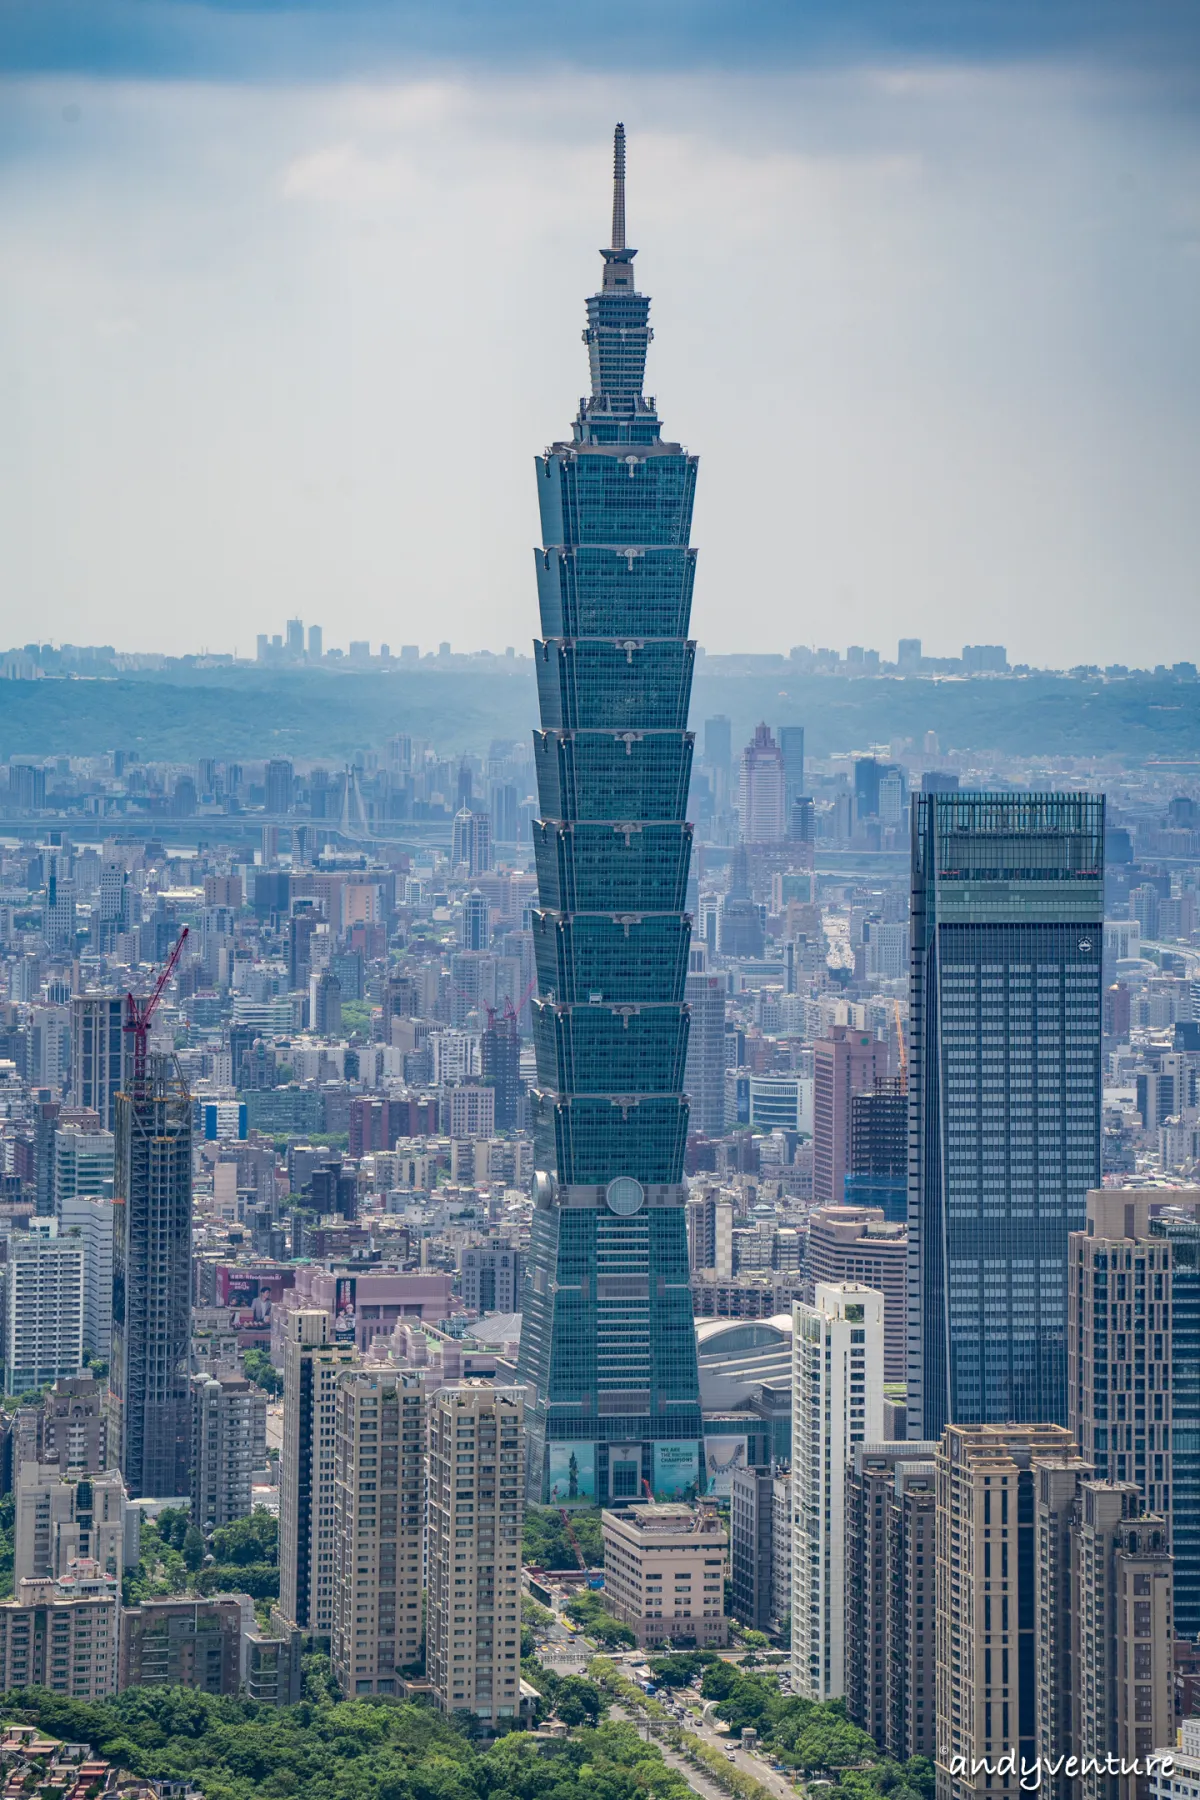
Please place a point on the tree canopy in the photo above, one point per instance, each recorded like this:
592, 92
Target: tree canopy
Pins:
546, 1544
814, 1737
351, 1750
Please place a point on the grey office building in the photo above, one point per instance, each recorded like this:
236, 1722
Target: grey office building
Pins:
97, 1054
790, 739
1004, 1085
704, 1075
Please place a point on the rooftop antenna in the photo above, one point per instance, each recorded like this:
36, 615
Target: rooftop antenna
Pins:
618, 229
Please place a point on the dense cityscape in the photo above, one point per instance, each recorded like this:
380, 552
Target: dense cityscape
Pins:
694, 1226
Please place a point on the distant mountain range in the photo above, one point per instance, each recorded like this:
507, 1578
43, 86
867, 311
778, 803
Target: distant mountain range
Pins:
182, 715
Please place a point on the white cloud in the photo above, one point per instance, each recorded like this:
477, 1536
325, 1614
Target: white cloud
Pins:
276, 350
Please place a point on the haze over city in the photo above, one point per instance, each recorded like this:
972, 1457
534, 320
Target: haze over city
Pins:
290, 299
599, 940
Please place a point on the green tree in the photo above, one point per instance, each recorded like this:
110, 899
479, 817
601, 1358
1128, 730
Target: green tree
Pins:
8, 1515
578, 1702
830, 1743
259, 1580
261, 1370
254, 1539
193, 1548
588, 1610
546, 1544
720, 1680
681, 1666
172, 1524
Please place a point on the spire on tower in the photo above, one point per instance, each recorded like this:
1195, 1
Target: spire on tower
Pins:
618, 224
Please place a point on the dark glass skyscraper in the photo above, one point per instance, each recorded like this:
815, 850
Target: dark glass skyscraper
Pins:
1004, 1097
608, 1345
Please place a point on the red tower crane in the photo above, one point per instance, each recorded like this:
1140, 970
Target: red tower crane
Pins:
138, 1014
580, 1558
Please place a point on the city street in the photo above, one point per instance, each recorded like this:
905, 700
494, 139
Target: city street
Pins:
753, 1766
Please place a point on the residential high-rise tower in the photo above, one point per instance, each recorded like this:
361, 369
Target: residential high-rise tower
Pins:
837, 1404
608, 1350
378, 1508
475, 1512
312, 1366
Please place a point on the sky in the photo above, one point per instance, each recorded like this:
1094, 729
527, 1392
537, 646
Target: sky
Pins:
291, 295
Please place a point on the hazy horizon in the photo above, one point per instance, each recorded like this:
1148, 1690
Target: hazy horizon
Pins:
292, 299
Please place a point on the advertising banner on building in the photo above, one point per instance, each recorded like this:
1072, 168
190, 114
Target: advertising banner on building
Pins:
345, 1310
722, 1455
677, 1470
251, 1295
572, 1473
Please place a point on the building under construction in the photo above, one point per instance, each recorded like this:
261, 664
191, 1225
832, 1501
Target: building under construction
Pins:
152, 1245
152, 1249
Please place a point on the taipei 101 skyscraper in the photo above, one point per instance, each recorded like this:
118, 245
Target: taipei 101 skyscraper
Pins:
608, 1346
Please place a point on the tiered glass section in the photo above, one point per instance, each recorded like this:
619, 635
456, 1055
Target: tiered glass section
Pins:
608, 1349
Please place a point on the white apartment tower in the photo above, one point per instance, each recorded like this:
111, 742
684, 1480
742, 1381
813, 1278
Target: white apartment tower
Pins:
43, 1311
311, 1366
837, 1404
379, 1518
89, 1222
476, 1509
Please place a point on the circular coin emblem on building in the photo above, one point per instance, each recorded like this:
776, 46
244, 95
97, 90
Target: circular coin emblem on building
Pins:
624, 1196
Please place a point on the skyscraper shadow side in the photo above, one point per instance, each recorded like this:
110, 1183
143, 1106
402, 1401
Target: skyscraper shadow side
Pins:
608, 1345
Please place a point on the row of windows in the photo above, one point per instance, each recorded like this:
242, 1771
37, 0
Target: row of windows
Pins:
642, 591
596, 1049
597, 1140
595, 497
611, 959
590, 684
635, 774
613, 868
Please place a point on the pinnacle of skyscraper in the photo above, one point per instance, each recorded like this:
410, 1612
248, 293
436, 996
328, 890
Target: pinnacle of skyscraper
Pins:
618, 257
618, 230
608, 1345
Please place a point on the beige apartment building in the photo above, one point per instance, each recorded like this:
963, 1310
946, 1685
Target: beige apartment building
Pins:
664, 1573
1055, 1624
62, 1634
378, 1513
475, 1512
986, 1692
1105, 1629
312, 1364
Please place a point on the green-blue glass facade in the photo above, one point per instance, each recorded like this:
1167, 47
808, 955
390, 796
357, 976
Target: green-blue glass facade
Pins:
1004, 1096
608, 1348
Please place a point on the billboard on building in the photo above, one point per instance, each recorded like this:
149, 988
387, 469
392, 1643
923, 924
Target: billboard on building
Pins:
345, 1309
722, 1455
250, 1295
677, 1470
572, 1473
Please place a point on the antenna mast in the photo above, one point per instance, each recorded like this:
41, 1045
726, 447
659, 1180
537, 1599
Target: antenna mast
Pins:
618, 229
